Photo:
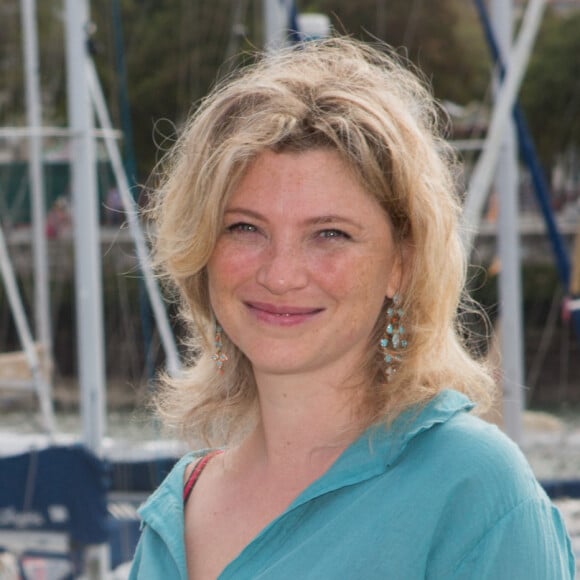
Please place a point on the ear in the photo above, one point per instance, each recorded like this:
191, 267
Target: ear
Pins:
401, 266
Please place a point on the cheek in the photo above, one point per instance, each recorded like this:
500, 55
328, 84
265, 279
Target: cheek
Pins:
366, 291
359, 278
228, 271
359, 289
225, 267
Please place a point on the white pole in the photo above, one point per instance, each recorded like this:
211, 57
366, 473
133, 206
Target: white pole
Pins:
17, 309
88, 278
20, 132
506, 182
484, 170
35, 168
167, 338
276, 21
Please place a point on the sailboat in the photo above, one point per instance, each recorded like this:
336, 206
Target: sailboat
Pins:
56, 487
90, 459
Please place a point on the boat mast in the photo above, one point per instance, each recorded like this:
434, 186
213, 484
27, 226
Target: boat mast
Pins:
276, 23
484, 170
479, 184
132, 213
37, 190
510, 293
84, 193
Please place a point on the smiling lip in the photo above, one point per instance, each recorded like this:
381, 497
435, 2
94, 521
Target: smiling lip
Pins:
282, 315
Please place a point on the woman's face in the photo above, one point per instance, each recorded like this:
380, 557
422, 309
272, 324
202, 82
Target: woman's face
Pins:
303, 264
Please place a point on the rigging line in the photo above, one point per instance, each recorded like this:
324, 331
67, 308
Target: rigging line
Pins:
575, 275
545, 342
25, 336
484, 170
411, 28
569, 118
193, 64
564, 360
222, 23
237, 32
31, 475
160, 314
381, 19
53, 58
528, 150
125, 326
211, 45
183, 57
141, 25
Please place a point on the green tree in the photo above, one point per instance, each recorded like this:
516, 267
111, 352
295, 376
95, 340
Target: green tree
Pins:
551, 91
11, 65
174, 51
442, 37
51, 62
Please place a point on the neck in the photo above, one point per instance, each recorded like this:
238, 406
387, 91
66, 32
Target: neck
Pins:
302, 420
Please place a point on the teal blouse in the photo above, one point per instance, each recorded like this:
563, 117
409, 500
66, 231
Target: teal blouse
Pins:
439, 495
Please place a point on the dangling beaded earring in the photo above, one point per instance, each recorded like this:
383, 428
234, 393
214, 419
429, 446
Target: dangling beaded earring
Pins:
392, 342
219, 356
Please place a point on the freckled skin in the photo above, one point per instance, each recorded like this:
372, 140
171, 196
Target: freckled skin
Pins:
300, 272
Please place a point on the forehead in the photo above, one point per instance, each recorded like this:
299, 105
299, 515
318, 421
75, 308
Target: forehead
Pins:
313, 181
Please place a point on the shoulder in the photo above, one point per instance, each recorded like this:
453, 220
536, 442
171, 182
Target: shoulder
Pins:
471, 467
169, 494
465, 432
160, 551
445, 437
494, 515
478, 446
477, 455
530, 542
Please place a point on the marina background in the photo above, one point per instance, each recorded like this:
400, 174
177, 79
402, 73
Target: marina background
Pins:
154, 61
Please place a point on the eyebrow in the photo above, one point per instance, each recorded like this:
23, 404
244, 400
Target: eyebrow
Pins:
317, 220
243, 211
333, 219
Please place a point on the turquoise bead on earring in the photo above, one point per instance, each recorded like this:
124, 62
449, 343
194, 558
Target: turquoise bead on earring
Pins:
219, 357
392, 342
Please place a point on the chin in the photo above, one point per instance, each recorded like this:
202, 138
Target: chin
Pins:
279, 366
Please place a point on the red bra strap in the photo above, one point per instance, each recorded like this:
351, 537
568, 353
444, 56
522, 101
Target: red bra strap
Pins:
194, 475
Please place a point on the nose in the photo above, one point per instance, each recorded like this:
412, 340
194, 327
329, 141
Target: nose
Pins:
283, 268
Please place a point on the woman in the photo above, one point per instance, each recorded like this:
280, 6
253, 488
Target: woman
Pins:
308, 219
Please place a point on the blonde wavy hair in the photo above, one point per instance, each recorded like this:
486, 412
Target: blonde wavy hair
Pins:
371, 107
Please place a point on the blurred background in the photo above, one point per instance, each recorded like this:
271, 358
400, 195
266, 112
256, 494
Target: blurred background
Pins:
156, 60
150, 63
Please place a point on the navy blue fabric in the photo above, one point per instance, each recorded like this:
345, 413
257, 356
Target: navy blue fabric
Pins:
57, 489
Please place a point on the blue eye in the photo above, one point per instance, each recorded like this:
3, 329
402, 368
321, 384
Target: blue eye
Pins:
334, 234
241, 227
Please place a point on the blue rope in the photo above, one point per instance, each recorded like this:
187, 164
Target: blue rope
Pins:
529, 154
